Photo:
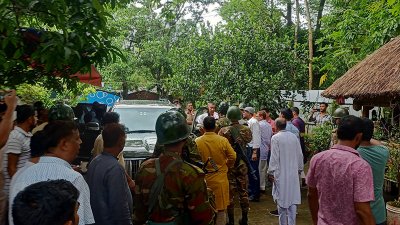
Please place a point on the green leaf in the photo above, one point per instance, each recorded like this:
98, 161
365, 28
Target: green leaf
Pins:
18, 53
32, 4
67, 52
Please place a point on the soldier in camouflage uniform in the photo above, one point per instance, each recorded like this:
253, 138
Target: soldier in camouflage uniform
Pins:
190, 152
238, 180
182, 197
222, 121
337, 115
60, 111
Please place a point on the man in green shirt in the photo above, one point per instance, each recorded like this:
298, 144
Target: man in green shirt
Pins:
377, 156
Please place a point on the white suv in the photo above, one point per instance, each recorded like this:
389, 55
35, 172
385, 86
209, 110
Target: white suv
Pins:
139, 118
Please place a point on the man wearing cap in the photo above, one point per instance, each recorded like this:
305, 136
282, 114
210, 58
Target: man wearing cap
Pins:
253, 153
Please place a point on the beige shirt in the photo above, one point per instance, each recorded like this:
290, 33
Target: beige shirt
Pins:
39, 128
98, 149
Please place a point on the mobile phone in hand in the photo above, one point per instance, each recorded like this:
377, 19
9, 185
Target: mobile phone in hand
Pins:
3, 93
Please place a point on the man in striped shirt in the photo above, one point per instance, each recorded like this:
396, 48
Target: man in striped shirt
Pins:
7, 108
61, 148
17, 150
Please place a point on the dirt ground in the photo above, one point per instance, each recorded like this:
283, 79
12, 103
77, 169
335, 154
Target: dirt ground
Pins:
259, 211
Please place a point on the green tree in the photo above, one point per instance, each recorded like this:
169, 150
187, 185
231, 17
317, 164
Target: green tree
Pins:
47, 39
150, 29
31, 93
249, 58
351, 30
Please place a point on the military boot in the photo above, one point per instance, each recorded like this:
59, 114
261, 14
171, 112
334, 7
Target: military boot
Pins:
243, 220
231, 216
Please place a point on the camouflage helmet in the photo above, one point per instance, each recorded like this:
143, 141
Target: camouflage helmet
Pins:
171, 127
61, 111
234, 113
180, 110
339, 113
223, 108
243, 105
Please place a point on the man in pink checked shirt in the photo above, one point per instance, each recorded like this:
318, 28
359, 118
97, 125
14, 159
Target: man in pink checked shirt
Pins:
340, 184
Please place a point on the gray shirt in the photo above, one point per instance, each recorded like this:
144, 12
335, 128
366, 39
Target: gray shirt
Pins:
292, 128
110, 197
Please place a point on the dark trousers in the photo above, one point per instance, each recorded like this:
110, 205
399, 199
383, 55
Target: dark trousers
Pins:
254, 184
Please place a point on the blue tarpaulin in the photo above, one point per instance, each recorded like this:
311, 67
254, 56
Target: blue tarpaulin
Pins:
102, 97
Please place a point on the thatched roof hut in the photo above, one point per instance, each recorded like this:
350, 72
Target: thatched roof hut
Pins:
373, 81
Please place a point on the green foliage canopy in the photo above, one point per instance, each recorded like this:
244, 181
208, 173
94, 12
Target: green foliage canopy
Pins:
30, 94
352, 30
47, 39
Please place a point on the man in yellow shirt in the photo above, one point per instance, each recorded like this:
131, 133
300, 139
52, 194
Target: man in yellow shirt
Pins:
218, 155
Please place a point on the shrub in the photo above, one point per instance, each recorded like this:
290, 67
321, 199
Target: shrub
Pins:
319, 138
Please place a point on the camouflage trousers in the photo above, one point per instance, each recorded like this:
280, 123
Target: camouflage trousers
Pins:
238, 182
211, 199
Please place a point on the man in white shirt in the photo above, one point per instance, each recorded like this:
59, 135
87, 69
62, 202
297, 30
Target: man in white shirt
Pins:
284, 168
211, 112
253, 153
287, 115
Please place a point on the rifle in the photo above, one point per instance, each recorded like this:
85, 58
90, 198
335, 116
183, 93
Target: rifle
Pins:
240, 152
186, 157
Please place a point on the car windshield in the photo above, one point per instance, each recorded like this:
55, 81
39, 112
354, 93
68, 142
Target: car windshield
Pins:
139, 119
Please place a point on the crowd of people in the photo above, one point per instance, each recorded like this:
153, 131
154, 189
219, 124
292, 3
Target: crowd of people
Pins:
190, 179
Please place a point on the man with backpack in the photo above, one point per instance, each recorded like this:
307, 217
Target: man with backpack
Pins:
169, 190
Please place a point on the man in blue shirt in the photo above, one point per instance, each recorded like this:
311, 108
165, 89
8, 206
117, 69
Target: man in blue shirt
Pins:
111, 199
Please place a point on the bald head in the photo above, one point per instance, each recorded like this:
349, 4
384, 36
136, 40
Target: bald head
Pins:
280, 124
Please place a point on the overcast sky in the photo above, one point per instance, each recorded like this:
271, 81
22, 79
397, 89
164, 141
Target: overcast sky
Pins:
212, 15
